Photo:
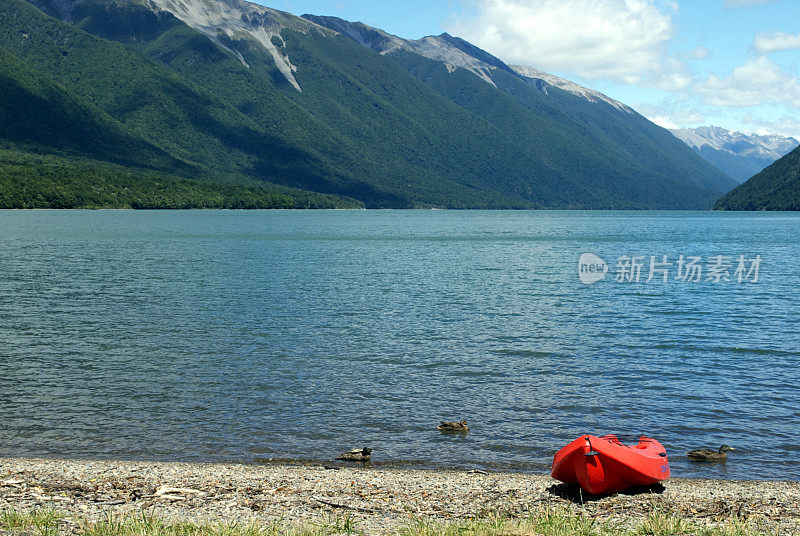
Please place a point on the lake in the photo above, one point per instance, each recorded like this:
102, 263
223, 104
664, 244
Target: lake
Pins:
295, 335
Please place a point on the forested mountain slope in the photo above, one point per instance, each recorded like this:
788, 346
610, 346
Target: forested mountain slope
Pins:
234, 94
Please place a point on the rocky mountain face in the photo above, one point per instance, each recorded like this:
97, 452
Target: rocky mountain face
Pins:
739, 155
227, 90
457, 53
583, 109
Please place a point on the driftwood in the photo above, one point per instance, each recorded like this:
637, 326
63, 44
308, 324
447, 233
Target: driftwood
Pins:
166, 490
329, 502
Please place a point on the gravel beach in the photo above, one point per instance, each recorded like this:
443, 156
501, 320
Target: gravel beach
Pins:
381, 500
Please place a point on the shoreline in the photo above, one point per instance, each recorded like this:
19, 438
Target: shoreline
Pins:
380, 500
389, 465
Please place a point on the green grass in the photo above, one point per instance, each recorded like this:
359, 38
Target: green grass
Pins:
41, 522
563, 522
546, 522
49, 522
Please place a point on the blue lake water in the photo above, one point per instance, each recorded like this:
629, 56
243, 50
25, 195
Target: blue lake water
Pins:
248, 336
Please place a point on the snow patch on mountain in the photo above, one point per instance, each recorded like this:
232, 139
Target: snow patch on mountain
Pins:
589, 94
237, 19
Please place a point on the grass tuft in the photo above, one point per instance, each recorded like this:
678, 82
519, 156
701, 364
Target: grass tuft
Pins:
40, 521
661, 523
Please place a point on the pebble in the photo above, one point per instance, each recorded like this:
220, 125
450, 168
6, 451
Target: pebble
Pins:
380, 500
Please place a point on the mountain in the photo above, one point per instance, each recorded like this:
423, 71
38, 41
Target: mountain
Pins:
92, 123
235, 99
739, 155
604, 145
34, 110
776, 188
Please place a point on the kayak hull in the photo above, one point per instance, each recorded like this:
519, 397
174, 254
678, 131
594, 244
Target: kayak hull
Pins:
603, 465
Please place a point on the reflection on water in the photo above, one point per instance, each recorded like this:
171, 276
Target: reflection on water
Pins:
255, 335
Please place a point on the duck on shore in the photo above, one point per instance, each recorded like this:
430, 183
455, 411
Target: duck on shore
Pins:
460, 426
356, 455
709, 455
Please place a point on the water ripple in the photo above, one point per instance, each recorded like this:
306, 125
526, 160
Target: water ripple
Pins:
254, 336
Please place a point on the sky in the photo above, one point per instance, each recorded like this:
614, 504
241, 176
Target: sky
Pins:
681, 63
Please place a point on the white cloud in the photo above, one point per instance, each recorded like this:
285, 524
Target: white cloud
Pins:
785, 126
619, 40
776, 41
756, 83
700, 53
665, 122
673, 113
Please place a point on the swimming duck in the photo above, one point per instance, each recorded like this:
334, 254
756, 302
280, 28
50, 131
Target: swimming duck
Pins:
460, 426
356, 455
710, 455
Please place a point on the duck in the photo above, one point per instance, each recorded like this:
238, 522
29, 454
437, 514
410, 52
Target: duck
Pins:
356, 455
460, 426
709, 455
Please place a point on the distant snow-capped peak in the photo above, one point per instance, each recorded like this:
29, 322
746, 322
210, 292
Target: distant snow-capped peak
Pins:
736, 143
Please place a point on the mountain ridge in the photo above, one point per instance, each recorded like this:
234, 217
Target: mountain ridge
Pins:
237, 91
739, 155
490, 69
468, 56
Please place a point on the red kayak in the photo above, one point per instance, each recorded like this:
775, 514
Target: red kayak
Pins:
603, 465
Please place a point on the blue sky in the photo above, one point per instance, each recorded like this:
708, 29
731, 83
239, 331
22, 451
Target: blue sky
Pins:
730, 63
